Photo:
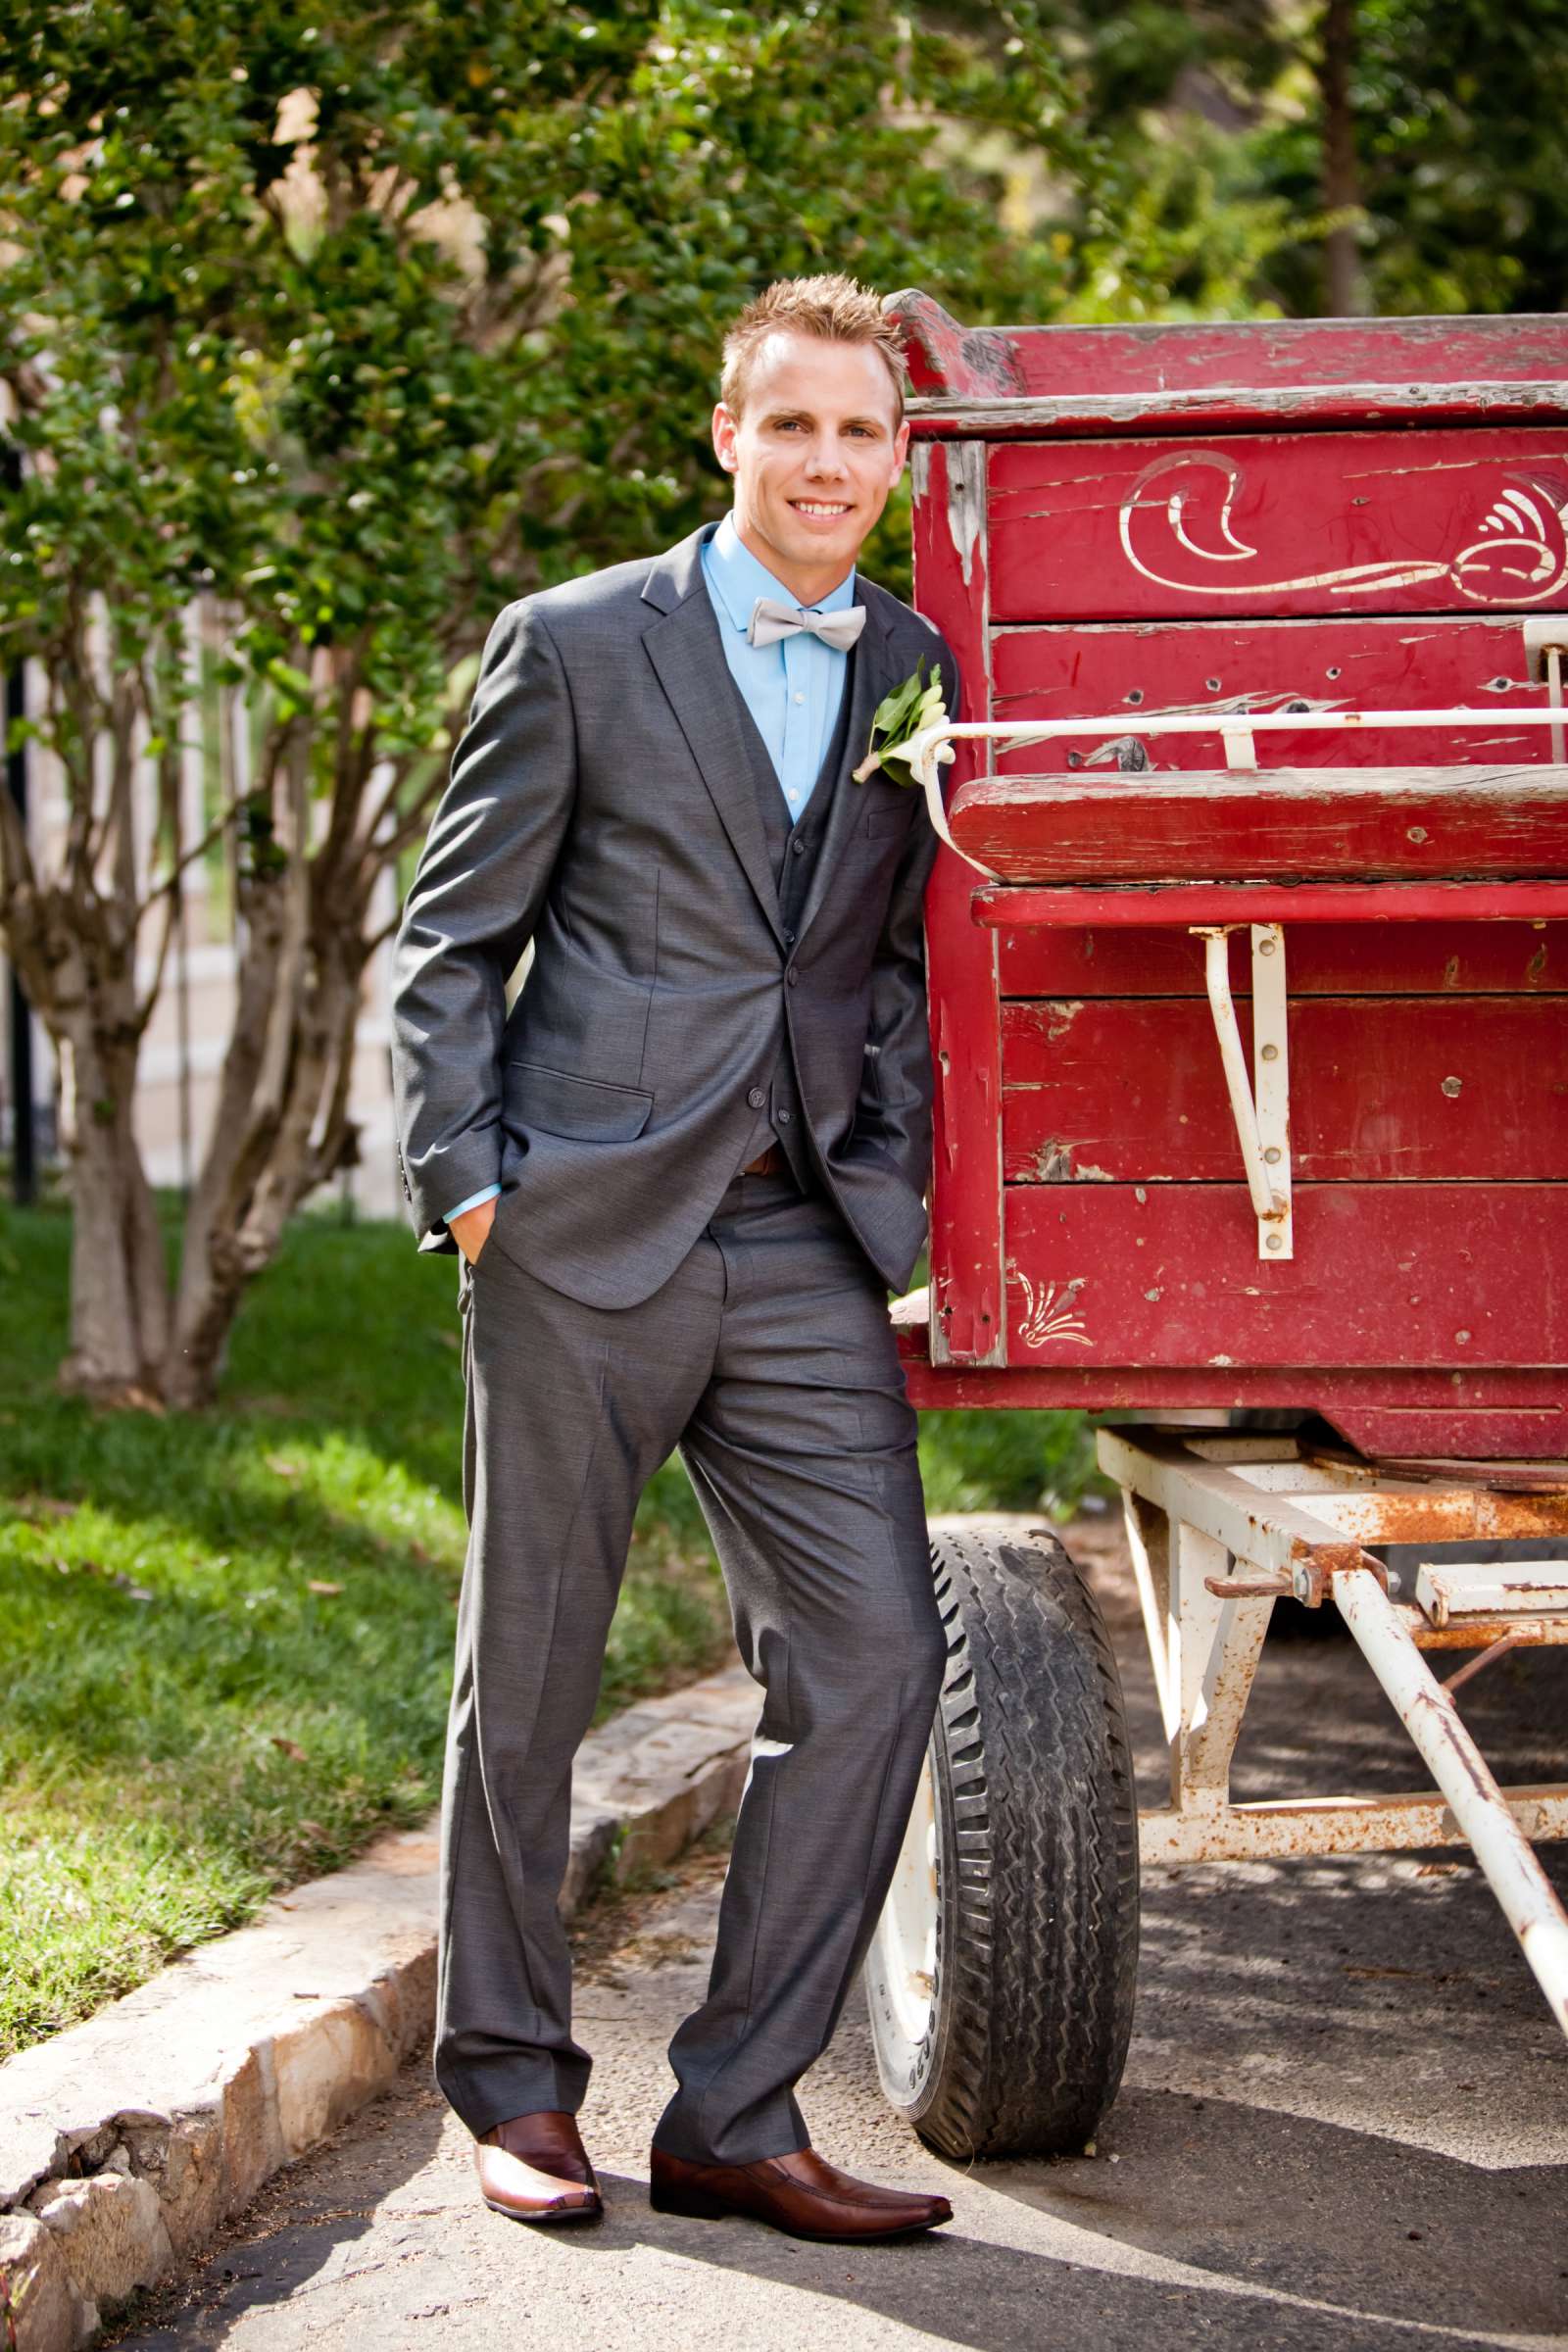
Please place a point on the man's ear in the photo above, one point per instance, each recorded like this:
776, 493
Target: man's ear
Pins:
725, 426
900, 448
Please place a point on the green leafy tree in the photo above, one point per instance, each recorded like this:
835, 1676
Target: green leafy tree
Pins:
1321, 156
355, 323
1455, 114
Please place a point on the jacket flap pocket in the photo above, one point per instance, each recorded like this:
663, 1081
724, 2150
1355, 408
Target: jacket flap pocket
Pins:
583, 1108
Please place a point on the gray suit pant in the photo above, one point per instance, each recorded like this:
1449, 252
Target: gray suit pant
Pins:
769, 1359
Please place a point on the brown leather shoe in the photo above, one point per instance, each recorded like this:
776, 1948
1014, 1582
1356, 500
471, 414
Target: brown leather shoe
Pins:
800, 2194
535, 2168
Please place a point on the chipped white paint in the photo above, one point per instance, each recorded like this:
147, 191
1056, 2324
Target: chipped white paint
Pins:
1054, 1162
967, 501
1223, 705
1486, 1588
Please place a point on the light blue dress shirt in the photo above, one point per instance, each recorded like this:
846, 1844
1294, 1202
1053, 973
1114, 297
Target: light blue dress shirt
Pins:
793, 687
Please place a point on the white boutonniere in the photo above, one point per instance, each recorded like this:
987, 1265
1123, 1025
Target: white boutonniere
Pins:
912, 710
899, 717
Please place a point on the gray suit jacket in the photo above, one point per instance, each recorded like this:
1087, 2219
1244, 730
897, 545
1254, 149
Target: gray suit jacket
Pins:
603, 806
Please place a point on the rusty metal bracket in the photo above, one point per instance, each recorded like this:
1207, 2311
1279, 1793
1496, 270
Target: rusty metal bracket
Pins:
1485, 1657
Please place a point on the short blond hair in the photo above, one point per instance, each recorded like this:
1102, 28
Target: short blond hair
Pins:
833, 307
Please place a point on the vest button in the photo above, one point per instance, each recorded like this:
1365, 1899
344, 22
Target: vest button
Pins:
757, 1099
783, 1117
798, 848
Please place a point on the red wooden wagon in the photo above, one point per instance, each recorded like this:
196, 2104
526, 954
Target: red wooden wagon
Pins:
1263, 631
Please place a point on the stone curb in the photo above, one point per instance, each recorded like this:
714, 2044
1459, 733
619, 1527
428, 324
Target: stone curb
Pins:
127, 2140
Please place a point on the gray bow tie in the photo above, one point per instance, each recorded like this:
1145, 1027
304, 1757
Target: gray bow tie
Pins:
772, 620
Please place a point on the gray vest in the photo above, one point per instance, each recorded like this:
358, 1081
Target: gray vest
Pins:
792, 850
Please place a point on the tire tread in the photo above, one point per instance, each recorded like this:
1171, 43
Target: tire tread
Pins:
1038, 1950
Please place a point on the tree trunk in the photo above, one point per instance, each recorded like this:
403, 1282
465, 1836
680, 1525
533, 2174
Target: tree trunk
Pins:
119, 1271
280, 1125
1343, 295
235, 1225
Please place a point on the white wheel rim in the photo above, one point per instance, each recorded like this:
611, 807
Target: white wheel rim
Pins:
903, 1961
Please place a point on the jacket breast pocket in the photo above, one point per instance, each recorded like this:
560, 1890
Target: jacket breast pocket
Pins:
585, 1109
889, 814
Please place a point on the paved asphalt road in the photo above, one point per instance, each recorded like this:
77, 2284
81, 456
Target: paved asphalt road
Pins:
1343, 2126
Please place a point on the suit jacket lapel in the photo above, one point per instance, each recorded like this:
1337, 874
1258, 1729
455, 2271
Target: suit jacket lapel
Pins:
868, 683
683, 644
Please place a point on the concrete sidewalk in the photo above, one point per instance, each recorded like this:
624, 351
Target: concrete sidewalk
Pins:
1344, 2128
126, 2143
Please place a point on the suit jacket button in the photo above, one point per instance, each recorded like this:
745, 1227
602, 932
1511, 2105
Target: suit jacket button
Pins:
793, 977
757, 1097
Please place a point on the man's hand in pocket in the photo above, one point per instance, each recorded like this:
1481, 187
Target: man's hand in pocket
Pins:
472, 1230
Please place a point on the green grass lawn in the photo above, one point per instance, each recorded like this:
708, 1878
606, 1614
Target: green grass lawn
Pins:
227, 1637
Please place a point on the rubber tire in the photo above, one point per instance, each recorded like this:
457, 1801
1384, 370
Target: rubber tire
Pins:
1036, 1929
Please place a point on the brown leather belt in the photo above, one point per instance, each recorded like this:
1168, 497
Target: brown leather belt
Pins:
771, 1163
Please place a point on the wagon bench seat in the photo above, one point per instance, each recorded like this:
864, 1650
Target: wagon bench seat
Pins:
1278, 823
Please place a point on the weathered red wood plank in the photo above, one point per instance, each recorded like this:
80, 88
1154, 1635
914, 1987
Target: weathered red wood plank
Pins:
1504, 1434
1369, 958
1150, 668
1480, 1416
1302, 524
1385, 1089
1146, 1275
1083, 416
1136, 907
1513, 1431
1408, 356
1276, 825
950, 537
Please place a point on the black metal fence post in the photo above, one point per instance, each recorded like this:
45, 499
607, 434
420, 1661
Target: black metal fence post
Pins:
24, 1135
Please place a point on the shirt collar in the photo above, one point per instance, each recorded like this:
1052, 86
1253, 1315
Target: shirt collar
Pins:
740, 579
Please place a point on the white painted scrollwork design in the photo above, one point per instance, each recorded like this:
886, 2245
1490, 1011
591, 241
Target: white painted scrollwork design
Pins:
1183, 505
1049, 1313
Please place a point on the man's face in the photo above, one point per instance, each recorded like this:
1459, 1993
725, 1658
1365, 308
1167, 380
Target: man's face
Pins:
814, 453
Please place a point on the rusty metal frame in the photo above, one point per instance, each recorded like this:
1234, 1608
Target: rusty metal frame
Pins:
1223, 1523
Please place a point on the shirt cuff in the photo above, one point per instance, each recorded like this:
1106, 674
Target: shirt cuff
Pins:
492, 1191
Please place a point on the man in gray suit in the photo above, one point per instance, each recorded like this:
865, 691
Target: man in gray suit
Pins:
682, 1173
